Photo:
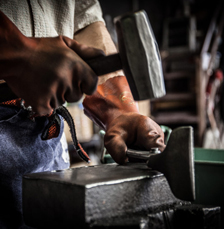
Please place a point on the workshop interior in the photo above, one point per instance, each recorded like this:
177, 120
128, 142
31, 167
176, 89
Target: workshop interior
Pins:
189, 37
181, 187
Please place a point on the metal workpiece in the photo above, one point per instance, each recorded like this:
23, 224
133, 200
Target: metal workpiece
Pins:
81, 196
176, 162
143, 155
140, 55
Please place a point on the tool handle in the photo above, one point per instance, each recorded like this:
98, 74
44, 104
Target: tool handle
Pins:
105, 64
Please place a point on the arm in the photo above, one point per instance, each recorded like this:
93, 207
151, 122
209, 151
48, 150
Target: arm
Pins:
97, 36
112, 106
45, 72
12, 42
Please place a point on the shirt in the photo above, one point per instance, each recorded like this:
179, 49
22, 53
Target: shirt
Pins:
49, 18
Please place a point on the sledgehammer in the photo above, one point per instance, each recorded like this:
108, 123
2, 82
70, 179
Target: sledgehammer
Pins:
138, 56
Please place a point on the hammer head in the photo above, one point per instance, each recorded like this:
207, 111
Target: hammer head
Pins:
140, 55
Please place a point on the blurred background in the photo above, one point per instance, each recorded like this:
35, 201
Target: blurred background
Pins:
189, 34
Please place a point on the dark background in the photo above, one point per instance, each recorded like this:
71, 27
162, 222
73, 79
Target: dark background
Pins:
160, 10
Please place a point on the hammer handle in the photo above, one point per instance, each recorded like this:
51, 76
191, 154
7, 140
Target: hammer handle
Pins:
105, 64
100, 66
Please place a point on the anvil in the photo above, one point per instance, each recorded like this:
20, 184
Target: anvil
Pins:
83, 195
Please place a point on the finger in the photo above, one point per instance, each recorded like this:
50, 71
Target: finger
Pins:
73, 94
152, 139
40, 108
57, 101
88, 80
116, 147
150, 135
84, 51
89, 84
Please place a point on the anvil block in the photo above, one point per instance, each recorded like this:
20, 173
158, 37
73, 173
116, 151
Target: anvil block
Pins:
80, 196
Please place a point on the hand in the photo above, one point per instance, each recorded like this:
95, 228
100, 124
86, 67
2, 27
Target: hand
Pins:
112, 107
132, 130
53, 72
45, 72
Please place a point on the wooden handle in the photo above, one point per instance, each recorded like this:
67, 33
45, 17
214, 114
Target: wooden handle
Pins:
105, 64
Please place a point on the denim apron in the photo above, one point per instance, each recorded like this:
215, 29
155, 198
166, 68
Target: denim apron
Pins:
22, 151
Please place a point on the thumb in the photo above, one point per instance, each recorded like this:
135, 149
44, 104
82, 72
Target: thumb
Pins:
116, 147
84, 51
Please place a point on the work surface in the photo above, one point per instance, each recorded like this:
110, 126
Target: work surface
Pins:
97, 175
96, 195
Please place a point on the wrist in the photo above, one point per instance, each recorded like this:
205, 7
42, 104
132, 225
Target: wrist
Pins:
14, 46
112, 99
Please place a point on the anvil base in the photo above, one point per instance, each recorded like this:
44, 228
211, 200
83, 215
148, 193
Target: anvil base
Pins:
83, 197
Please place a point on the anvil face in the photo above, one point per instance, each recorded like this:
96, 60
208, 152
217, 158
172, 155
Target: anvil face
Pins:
83, 195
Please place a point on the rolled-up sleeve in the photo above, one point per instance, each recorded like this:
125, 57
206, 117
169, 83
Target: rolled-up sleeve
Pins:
87, 12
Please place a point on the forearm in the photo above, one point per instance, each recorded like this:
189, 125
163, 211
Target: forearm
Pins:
96, 35
113, 108
11, 43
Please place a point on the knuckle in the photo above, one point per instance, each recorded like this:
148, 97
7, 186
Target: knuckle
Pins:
73, 97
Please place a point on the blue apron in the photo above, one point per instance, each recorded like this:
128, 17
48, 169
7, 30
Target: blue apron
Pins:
22, 151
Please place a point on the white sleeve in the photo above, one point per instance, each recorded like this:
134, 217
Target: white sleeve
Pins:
87, 12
